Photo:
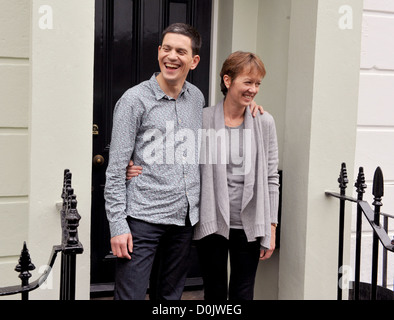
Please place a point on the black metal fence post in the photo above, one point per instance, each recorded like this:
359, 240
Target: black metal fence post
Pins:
378, 194
343, 181
70, 244
361, 186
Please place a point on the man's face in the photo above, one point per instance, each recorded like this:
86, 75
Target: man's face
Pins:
176, 58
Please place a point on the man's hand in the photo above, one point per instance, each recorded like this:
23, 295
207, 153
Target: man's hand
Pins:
132, 170
122, 245
254, 108
266, 254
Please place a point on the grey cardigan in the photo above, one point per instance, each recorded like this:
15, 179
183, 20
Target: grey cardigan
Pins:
261, 184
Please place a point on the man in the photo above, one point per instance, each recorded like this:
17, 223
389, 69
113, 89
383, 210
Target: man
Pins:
150, 123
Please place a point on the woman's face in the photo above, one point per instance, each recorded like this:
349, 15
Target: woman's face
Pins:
243, 89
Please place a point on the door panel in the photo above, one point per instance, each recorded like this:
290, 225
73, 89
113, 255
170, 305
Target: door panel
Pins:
127, 37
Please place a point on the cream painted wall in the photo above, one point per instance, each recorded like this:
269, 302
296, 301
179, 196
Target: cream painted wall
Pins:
46, 104
14, 103
61, 109
320, 133
375, 125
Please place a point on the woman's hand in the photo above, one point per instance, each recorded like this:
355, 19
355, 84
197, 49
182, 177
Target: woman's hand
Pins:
266, 254
132, 170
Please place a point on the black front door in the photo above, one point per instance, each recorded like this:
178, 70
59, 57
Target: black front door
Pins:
127, 37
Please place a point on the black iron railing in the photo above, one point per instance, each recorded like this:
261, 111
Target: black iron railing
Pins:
69, 248
380, 233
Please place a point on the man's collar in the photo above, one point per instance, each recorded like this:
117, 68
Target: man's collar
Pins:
159, 93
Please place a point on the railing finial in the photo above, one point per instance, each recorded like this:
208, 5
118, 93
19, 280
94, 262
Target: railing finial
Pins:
360, 183
378, 184
66, 182
378, 192
72, 223
343, 180
25, 265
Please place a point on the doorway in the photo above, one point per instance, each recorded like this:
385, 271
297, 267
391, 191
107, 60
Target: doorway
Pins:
127, 35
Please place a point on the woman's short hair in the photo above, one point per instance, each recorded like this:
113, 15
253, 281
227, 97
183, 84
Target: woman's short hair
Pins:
188, 31
238, 62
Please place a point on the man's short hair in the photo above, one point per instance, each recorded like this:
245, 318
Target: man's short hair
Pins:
188, 31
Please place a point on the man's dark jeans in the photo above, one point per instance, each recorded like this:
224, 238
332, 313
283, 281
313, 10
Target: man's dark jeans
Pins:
171, 246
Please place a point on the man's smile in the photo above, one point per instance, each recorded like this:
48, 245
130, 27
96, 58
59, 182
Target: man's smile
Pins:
172, 66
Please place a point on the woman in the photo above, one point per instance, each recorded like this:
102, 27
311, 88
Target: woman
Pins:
239, 198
